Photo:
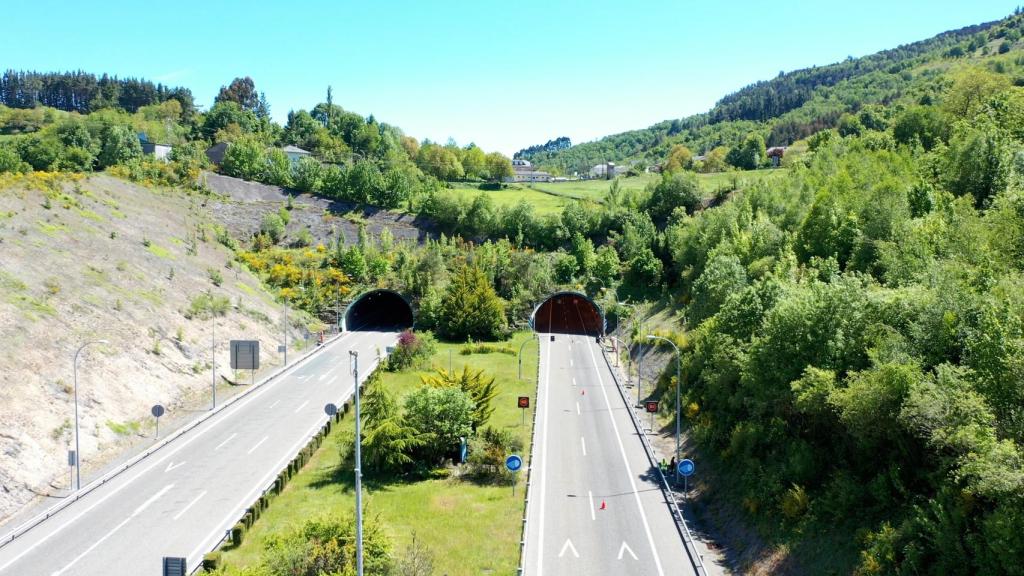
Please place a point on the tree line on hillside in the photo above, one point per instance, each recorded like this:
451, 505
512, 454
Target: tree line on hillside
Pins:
82, 92
352, 158
797, 104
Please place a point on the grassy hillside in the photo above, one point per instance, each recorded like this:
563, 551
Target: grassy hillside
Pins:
799, 103
84, 258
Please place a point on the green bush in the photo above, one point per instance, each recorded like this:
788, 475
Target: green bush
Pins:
212, 560
237, 533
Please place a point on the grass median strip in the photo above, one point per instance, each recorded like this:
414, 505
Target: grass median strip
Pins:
469, 527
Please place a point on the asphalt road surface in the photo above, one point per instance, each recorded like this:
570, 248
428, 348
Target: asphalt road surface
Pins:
180, 500
595, 505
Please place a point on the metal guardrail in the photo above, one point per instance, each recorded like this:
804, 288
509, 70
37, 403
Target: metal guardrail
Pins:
529, 468
112, 474
670, 496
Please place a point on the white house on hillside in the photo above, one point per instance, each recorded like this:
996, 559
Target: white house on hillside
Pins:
295, 153
158, 151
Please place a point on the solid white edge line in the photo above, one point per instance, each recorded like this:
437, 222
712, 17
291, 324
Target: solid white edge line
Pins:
543, 463
625, 461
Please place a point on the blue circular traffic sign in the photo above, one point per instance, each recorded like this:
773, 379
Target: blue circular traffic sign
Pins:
685, 467
513, 463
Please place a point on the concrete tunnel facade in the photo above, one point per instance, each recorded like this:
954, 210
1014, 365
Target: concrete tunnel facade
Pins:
382, 309
569, 313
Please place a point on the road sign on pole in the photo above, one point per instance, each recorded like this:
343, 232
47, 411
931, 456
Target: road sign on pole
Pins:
513, 463
686, 469
157, 411
651, 406
331, 409
245, 354
524, 403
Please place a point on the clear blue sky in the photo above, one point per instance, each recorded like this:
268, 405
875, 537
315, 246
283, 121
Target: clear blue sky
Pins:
502, 74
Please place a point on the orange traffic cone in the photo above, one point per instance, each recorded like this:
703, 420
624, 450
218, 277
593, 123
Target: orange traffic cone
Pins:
603, 506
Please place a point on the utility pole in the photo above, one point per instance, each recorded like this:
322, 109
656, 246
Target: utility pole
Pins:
78, 453
354, 355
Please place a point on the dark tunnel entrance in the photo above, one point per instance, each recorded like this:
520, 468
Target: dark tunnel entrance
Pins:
379, 310
568, 313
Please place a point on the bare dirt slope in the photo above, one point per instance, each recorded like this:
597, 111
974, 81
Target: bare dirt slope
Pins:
242, 204
97, 257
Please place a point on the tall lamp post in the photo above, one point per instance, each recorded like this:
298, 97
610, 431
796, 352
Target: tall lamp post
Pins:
78, 454
679, 384
354, 356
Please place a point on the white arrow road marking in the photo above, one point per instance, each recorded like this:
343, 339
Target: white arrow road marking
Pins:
190, 504
626, 548
221, 445
253, 449
138, 511
302, 406
591, 495
568, 545
172, 466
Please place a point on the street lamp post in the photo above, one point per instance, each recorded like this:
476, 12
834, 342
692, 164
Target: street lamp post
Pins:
679, 384
354, 355
213, 352
521, 346
78, 453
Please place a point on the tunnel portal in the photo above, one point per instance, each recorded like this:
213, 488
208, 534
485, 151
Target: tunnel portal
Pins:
568, 313
379, 310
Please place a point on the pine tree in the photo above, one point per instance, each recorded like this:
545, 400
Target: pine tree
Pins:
471, 308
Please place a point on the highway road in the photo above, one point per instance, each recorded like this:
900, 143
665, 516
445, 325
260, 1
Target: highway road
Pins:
180, 500
595, 505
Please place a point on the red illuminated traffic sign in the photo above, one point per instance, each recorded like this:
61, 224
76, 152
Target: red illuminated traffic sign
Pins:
524, 401
651, 405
